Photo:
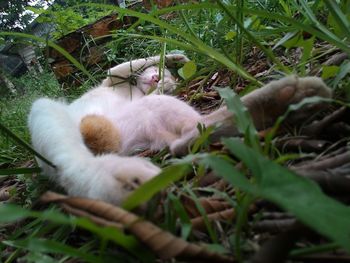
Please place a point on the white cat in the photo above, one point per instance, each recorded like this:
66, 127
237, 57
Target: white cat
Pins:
152, 121
54, 127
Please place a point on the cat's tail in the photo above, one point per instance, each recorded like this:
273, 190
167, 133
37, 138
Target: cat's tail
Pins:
57, 137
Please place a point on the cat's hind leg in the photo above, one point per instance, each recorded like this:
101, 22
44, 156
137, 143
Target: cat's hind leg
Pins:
265, 106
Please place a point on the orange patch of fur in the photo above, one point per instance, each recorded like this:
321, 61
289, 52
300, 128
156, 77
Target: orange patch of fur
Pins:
99, 134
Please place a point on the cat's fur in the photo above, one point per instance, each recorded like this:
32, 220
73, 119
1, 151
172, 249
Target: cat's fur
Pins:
152, 121
54, 127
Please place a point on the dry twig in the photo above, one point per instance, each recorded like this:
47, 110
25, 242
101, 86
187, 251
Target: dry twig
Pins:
163, 243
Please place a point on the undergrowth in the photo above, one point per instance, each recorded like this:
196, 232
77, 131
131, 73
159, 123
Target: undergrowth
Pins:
245, 43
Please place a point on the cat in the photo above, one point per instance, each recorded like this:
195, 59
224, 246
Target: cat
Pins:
152, 121
54, 128
156, 121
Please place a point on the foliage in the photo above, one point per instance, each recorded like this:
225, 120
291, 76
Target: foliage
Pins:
65, 19
13, 16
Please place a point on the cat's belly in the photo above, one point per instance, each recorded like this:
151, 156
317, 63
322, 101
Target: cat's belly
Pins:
99, 105
152, 122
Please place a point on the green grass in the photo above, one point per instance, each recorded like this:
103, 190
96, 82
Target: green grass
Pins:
15, 109
280, 37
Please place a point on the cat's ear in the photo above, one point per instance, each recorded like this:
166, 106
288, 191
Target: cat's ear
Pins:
172, 60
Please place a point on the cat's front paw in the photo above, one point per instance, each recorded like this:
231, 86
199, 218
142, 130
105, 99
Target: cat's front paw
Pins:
175, 59
119, 176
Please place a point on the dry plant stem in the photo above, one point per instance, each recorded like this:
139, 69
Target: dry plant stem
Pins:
210, 205
303, 144
336, 59
163, 243
334, 181
324, 164
96, 219
198, 223
318, 127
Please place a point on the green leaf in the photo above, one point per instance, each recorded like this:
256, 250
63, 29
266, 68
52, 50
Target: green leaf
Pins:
10, 212
50, 246
329, 71
24, 143
230, 35
185, 221
307, 46
339, 17
146, 191
202, 138
242, 118
229, 172
343, 71
298, 195
188, 70
4, 172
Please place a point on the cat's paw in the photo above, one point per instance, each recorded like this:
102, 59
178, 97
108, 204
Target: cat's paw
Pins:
175, 59
119, 176
180, 146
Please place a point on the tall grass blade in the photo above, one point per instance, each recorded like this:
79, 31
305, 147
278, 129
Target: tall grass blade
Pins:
339, 17
50, 246
241, 117
24, 144
198, 44
146, 191
4, 172
252, 38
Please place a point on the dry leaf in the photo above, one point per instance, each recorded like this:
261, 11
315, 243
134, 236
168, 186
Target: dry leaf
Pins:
163, 243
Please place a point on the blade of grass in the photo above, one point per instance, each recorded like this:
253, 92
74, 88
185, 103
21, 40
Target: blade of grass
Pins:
339, 16
241, 117
146, 191
4, 172
50, 246
268, 52
24, 144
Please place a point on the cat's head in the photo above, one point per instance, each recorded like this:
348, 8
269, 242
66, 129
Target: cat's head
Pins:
150, 82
